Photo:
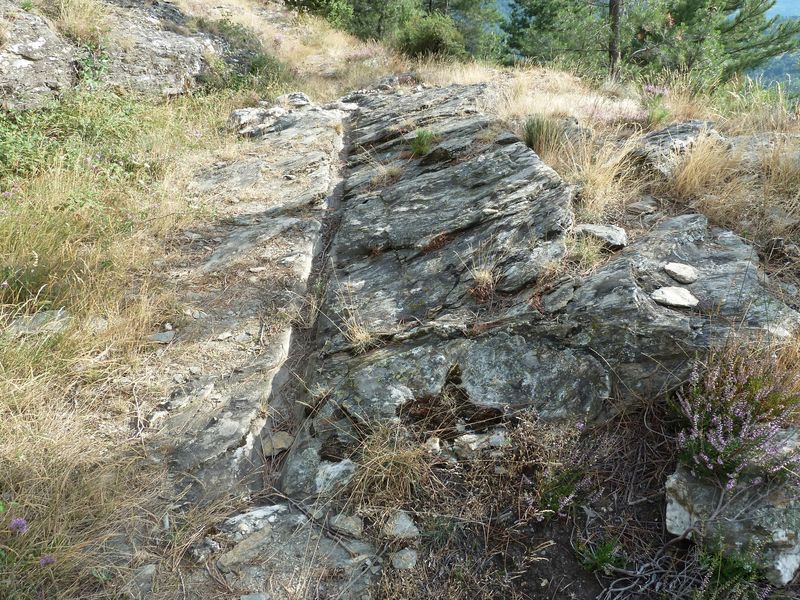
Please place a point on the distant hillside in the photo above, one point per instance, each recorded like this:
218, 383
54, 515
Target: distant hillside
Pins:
783, 69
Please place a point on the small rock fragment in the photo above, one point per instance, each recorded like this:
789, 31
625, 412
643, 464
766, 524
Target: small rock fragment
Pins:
612, 236
498, 439
400, 526
259, 596
295, 99
469, 444
351, 525
405, 559
433, 445
646, 206
682, 273
676, 297
162, 337
276, 443
224, 336
331, 475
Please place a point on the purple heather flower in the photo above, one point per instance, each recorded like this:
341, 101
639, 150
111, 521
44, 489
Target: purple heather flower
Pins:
580, 425
18, 525
47, 560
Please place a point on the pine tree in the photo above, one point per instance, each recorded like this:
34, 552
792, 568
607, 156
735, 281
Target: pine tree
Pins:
716, 38
748, 37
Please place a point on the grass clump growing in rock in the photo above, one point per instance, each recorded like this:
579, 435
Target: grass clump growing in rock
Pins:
584, 252
544, 135
392, 466
422, 142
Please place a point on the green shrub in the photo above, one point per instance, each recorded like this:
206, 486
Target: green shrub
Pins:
422, 142
602, 557
337, 12
543, 135
249, 65
434, 34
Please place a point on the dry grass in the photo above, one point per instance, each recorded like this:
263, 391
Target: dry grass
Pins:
354, 328
392, 465
549, 93
756, 198
584, 252
477, 515
326, 62
85, 21
91, 192
482, 269
607, 178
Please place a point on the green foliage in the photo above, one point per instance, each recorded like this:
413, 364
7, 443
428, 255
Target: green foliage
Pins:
543, 134
381, 19
250, 66
26, 5
602, 557
433, 34
418, 27
729, 574
338, 12
422, 142
560, 490
92, 64
712, 40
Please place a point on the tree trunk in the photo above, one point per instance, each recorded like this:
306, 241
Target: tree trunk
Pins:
614, 9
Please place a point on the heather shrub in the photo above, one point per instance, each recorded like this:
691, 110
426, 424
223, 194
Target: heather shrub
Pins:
738, 409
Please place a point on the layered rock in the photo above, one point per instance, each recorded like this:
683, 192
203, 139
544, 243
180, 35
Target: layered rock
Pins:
36, 62
439, 265
147, 48
448, 275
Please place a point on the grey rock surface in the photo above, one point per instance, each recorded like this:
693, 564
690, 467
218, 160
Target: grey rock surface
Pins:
147, 49
613, 236
413, 252
288, 550
750, 517
36, 62
662, 150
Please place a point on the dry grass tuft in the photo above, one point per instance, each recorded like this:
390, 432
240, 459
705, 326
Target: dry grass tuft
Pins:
756, 197
392, 467
482, 268
85, 21
584, 252
606, 176
355, 330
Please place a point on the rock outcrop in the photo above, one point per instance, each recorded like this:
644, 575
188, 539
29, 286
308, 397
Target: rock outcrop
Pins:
752, 520
147, 49
410, 264
36, 62
447, 273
